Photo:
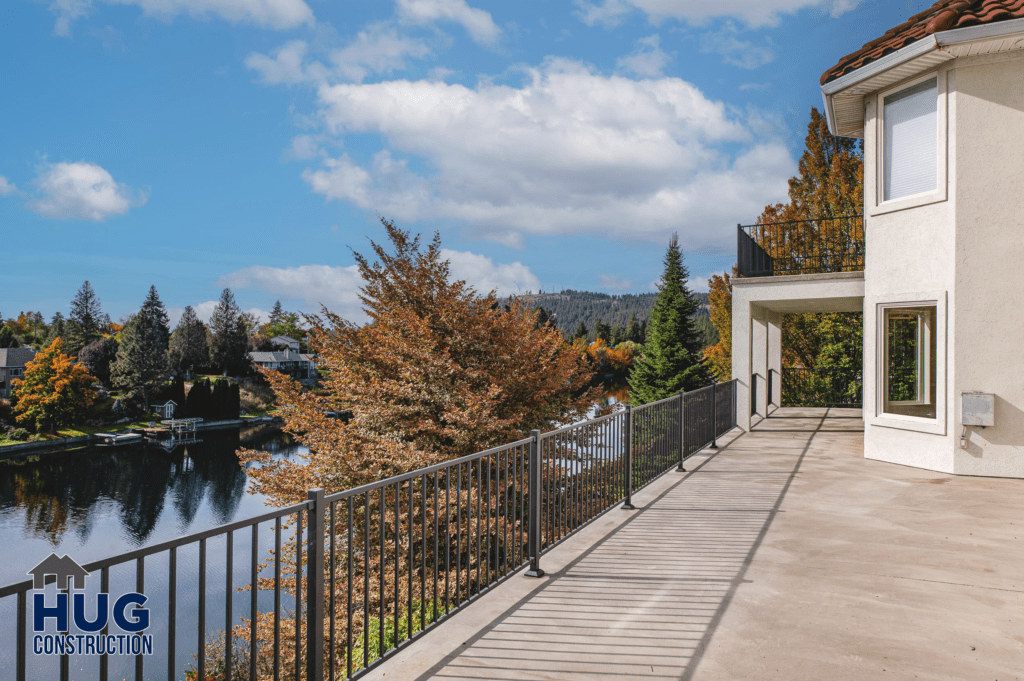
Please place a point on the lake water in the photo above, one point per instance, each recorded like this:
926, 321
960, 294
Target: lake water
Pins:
101, 501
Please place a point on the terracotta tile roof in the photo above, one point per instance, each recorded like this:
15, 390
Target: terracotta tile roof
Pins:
944, 15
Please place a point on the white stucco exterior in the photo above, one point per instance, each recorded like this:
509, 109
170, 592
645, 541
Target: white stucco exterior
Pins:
959, 248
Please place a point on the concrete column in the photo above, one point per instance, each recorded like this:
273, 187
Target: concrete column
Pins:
759, 358
775, 357
741, 324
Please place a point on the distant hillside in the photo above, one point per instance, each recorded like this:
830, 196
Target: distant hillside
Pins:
570, 307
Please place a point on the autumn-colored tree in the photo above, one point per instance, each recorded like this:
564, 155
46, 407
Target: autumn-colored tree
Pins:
55, 390
439, 372
719, 356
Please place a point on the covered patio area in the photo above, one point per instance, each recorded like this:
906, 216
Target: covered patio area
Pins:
785, 554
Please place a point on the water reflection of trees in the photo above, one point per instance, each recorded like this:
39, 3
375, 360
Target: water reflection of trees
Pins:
65, 492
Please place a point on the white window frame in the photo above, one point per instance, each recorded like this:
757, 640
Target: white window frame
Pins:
880, 417
941, 139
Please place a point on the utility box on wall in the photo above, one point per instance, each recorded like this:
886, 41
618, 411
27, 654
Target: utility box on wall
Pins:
978, 409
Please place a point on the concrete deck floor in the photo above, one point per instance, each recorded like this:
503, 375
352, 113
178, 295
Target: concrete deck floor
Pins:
785, 555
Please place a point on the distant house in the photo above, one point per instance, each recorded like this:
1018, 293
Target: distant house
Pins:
286, 341
12, 367
167, 409
288, 361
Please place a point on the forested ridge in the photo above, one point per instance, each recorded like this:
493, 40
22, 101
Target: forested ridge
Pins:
570, 307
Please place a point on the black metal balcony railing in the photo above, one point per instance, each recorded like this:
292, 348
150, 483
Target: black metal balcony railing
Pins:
801, 247
343, 581
803, 387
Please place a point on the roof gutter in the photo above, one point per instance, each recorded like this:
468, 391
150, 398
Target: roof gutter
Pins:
936, 41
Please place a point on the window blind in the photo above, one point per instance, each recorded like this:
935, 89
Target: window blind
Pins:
910, 120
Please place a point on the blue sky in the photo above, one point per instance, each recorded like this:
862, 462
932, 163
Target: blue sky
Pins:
197, 144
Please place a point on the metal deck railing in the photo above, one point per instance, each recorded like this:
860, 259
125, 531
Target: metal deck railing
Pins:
801, 247
331, 587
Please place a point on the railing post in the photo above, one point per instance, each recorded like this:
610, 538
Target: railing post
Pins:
682, 433
714, 416
628, 506
533, 513
315, 587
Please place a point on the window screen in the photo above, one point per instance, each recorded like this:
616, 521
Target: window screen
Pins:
910, 138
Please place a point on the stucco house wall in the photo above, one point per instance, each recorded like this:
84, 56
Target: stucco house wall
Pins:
989, 278
911, 256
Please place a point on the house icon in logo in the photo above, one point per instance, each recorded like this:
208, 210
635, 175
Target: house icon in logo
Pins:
63, 570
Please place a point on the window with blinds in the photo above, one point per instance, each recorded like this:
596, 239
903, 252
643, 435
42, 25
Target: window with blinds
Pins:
910, 137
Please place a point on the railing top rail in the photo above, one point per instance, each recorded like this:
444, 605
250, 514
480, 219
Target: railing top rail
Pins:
589, 422
419, 472
656, 402
797, 222
26, 585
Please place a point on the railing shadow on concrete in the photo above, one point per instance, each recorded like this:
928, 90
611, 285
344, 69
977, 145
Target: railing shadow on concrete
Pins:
646, 599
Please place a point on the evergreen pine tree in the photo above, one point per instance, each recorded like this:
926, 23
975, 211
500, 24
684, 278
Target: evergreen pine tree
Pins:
277, 314
581, 332
57, 324
229, 347
633, 329
672, 358
188, 348
141, 366
154, 309
602, 331
86, 320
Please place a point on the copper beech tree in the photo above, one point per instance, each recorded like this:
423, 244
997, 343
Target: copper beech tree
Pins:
440, 371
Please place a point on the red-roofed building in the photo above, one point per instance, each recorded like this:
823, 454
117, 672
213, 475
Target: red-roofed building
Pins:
936, 263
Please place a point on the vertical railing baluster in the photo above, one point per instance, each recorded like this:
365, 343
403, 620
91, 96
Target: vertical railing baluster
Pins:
348, 599
277, 600
253, 593
228, 619
398, 544
533, 527
436, 527
105, 588
366, 580
332, 530
22, 638
202, 609
380, 583
172, 608
628, 473
298, 594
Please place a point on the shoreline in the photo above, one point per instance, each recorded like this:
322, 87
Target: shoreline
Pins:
19, 449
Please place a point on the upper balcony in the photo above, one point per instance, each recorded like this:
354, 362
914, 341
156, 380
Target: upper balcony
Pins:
801, 247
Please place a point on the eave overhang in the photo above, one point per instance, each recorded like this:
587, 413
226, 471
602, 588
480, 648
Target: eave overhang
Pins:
843, 97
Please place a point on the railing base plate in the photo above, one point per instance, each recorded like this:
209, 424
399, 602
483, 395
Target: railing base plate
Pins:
628, 507
534, 573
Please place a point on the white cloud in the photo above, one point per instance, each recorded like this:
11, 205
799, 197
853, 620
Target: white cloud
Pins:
755, 86
700, 283
754, 14
81, 191
485, 276
742, 53
377, 49
559, 154
477, 22
6, 188
273, 14
337, 287
647, 60
614, 282
67, 11
609, 14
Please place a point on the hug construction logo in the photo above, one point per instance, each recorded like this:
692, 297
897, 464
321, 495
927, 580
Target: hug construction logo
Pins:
127, 614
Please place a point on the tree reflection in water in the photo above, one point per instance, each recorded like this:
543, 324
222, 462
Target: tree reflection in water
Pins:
66, 492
